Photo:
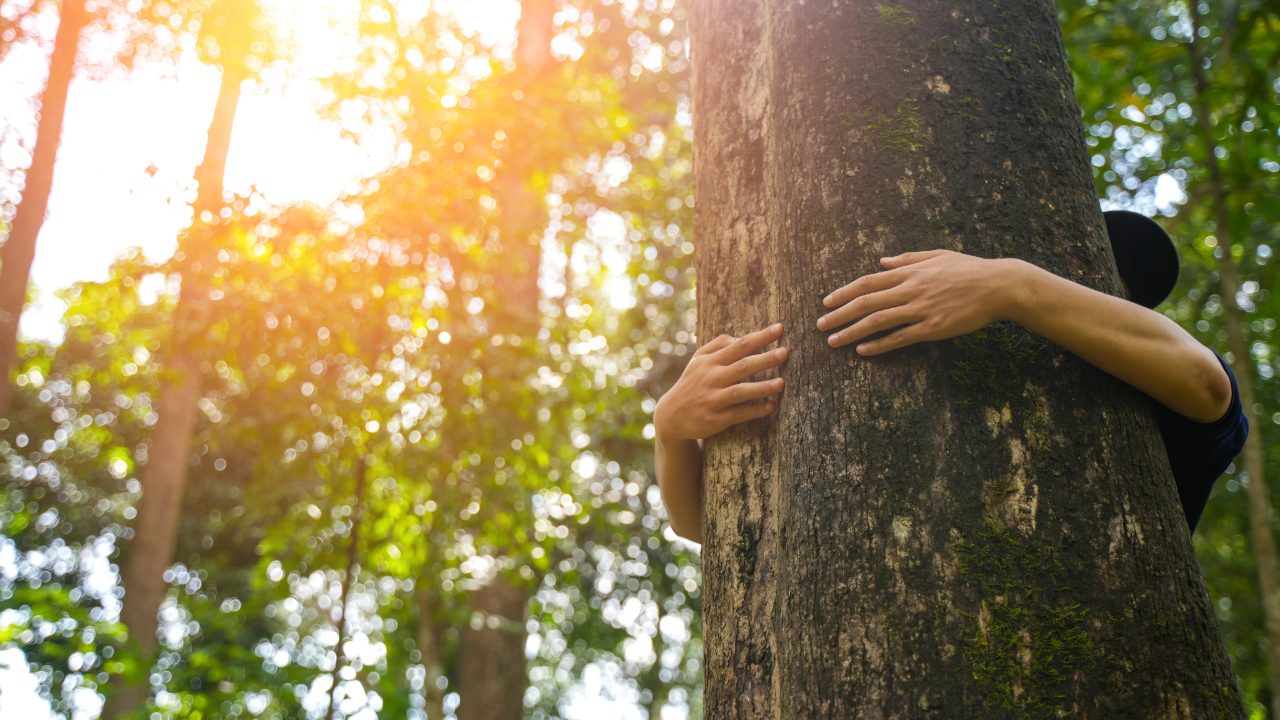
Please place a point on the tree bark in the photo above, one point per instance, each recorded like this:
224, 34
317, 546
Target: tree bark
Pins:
430, 647
19, 249
155, 531
983, 527
164, 477
1259, 496
492, 664
213, 167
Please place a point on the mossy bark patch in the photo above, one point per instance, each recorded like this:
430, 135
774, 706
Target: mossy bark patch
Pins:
1029, 639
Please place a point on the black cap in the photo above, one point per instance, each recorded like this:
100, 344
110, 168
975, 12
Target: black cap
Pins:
1145, 256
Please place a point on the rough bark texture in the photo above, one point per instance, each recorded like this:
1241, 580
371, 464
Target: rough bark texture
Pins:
985, 527
164, 477
19, 248
493, 675
1264, 545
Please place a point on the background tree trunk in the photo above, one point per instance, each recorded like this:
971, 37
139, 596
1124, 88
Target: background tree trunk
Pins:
343, 620
164, 477
19, 248
1259, 496
430, 646
492, 670
492, 663
984, 527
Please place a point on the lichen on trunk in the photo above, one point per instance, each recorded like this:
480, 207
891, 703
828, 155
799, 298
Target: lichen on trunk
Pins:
981, 527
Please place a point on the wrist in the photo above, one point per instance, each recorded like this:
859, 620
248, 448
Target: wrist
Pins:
662, 430
1014, 279
668, 439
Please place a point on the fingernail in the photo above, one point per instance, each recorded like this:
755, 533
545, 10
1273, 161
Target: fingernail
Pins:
822, 323
862, 349
777, 326
777, 384
780, 353
832, 340
826, 300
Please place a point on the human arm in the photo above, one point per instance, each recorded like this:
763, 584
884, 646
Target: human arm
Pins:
941, 294
710, 396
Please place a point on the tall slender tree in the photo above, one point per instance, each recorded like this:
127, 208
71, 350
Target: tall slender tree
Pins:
19, 249
1260, 513
229, 30
493, 673
985, 526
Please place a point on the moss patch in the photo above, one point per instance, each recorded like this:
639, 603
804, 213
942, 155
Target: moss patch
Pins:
895, 16
985, 361
1023, 650
900, 131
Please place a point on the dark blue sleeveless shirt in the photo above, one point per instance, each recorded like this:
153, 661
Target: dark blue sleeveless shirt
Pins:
1199, 452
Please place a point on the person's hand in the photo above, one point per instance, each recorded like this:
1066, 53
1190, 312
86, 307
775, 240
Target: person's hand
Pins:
931, 295
711, 395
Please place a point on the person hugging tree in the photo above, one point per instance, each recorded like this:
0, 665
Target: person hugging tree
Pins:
941, 294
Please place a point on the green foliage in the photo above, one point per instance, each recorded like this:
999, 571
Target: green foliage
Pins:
325, 340
1143, 112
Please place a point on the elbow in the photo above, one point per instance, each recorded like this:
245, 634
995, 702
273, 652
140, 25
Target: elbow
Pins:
1216, 391
691, 533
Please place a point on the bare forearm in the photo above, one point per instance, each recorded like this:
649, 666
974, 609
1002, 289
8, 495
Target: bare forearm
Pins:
1140, 347
679, 466
712, 394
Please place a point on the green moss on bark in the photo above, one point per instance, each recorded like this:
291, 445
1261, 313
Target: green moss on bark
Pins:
895, 16
1023, 649
900, 131
986, 362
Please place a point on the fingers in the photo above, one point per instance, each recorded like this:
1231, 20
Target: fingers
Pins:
746, 392
864, 285
910, 258
719, 343
749, 411
902, 337
863, 305
873, 323
752, 364
748, 344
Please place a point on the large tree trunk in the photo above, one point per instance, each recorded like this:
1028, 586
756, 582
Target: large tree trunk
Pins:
20, 247
164, 477
1264, 544
985, 527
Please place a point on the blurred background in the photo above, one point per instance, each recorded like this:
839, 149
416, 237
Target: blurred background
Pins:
375, 297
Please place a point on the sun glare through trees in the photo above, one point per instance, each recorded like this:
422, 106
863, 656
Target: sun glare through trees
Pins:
333, 336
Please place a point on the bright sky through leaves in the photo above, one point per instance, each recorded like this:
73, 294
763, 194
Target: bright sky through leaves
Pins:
131, 143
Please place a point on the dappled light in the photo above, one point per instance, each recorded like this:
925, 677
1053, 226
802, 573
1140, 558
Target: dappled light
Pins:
379, 297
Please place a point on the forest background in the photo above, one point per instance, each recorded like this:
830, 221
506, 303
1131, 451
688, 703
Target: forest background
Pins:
377, 438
